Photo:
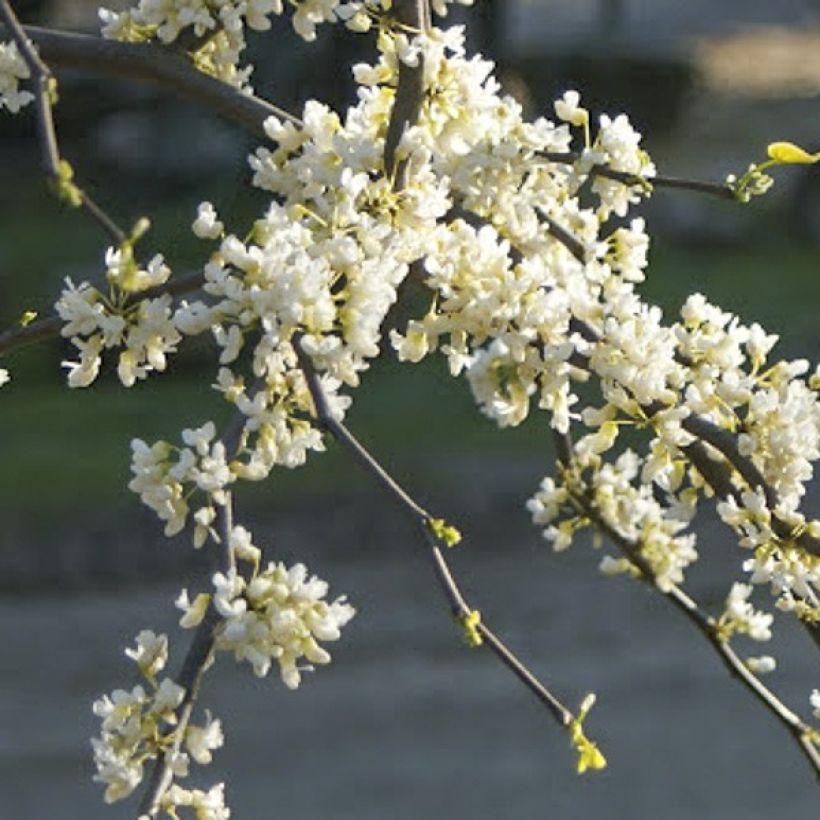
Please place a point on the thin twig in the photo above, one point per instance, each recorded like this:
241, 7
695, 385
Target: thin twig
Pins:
197, 659
706, 625
570, 242
460, 608
699, 186
44, 86
190, 678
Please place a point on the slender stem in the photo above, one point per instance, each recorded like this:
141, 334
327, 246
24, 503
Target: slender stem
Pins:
44, 93
18, 336
573, 245
200, 652
706, 625
190, 678
699, 186
422, 518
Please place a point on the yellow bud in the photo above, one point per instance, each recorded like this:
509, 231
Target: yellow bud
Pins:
589, 755
470, 623
444, 532
27, 318
140, 229
787, 153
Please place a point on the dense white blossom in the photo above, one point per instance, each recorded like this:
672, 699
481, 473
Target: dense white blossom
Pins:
279, 615
140, 327
138, 725
208, 805
165, 477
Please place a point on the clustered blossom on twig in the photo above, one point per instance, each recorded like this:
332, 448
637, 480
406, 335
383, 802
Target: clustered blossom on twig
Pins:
13, 68
531, 260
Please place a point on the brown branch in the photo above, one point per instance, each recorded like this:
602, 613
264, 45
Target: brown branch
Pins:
706, 625
699, 186
190, 678
413, 15
570, 242
199, 655
160, 65
459, 607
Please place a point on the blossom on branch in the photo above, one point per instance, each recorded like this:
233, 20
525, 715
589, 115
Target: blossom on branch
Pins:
13, 68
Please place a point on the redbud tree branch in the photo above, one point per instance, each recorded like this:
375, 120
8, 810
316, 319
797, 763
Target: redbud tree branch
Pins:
721, 190
806, 737
415, 16
159, 65
424, 520
200, 651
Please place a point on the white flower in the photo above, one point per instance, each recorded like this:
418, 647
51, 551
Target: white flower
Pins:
242, 546
208, 805
202, 740
193, 611
814, 699
151, 653
167, 698
86, 370
762, 665
569, 110
281, 615
740, 616
4, 376
206, 225
13, 68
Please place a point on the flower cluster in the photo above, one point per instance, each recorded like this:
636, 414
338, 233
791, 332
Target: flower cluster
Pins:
141, 327
217, 28
13, 68
633, 515
139, 725
208, 805
276, 614
165, 478
740, 617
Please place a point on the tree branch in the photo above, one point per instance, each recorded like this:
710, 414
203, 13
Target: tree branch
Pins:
415, 16
57, 170
803, 734
156, 64
199, 655
459, 607
699, 186
724, 442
